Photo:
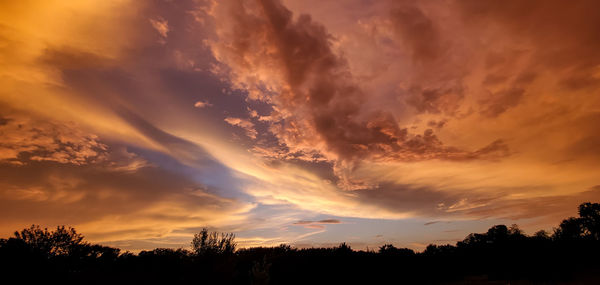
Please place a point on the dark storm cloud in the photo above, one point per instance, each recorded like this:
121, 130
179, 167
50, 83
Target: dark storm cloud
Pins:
320, 93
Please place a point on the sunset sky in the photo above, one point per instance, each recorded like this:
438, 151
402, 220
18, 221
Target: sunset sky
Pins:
307, 122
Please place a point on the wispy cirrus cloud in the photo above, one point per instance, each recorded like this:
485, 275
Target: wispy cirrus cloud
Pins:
317, 224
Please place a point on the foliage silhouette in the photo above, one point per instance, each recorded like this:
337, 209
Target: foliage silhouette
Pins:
62, 241
590, 220
206, 242
499, 256
390, 249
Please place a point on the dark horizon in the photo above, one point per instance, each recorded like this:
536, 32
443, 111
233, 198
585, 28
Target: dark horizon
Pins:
499, 256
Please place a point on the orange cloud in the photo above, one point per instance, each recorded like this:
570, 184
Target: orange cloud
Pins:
244, 124
202, 104
454, 111
27, 139
487, 93
161, 26
318, 104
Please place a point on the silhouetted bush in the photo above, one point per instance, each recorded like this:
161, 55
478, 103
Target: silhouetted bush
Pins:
389, 249
213, 243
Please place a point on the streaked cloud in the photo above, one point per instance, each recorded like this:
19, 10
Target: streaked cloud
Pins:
398, 113
244, 124
317, 224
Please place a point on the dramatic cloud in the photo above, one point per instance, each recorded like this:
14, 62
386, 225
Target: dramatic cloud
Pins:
290, 64
304, 122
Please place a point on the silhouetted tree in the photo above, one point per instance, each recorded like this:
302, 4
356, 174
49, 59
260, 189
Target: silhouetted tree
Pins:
587, 226
498, 233
62, 241
542, 235
343, 249
386, 248
569, 229
473, 239
438, 250
515, 232
589, 215
389, 249
206, 242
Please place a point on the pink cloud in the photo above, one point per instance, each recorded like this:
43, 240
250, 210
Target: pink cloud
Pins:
202, 104
244, 124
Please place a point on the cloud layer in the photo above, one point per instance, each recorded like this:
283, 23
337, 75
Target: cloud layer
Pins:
307, 122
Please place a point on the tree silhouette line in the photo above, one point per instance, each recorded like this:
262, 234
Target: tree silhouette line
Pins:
569, 255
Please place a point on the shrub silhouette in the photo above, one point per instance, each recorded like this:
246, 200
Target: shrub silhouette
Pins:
213, 243
343, 249
390, 249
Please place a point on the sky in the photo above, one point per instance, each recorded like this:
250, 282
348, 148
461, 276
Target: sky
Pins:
306, 122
